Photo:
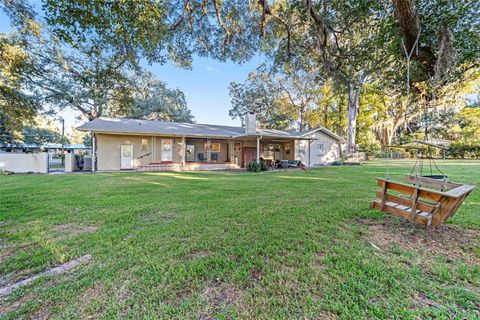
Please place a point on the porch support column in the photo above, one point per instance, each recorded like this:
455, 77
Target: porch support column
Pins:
184, 149
258, 149
94, 151
154, 149
309, 146
152, 153
208, 152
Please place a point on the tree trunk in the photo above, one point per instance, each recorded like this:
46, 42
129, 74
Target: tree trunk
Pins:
405, 125
339, 105
385, 138
354, 90
302, 118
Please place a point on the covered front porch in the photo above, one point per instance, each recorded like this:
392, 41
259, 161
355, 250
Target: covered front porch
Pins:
193, 153
188, 154
273, 150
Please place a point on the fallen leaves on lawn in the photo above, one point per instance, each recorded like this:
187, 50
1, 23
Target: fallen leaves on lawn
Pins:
453, 242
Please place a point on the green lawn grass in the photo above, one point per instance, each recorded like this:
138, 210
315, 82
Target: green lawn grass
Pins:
227, 245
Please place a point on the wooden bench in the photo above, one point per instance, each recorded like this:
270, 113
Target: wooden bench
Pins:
422, 200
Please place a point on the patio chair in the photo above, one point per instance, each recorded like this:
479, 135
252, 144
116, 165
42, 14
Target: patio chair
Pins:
295, 163
201, 157
214, 157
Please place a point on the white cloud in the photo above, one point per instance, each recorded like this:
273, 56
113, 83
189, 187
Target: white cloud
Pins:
212, 69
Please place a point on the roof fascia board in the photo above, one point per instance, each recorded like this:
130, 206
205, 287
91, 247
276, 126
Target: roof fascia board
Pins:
178, 135
325, 131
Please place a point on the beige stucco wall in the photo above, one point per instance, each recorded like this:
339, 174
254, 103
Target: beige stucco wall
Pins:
223, 154
199, 147
24, 162
108, 150
318, 155
176, 148
69, 162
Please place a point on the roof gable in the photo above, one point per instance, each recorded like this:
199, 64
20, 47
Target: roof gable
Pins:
323, 130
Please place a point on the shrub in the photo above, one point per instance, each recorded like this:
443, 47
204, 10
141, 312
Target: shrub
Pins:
463, 150
254, 166
263, 165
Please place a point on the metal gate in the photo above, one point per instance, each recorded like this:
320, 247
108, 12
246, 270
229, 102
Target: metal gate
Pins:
56, 162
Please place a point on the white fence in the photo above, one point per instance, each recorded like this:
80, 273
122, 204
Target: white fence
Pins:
24, 162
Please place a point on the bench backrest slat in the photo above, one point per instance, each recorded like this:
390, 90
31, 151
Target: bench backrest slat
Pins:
409, 190
429, 182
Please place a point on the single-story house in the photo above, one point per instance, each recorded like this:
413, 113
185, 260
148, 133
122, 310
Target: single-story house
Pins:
147, 145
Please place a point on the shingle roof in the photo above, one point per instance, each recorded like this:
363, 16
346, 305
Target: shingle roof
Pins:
158, 127
136, 126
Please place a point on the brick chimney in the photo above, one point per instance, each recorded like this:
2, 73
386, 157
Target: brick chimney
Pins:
250, 123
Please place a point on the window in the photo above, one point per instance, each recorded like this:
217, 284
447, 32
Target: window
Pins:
287, 148
320, 149
301, 148
237, 147
271, 147
215, 147
144, 144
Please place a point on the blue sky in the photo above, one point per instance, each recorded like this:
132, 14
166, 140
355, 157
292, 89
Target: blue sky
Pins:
205, 85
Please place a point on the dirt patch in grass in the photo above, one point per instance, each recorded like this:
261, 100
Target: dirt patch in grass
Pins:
150, 217
5, 253
256, 275
123, 295
218, 296
7, 306
325, 315
198, 254
421, 301
69, 230
453, 242
95, 292
90, 302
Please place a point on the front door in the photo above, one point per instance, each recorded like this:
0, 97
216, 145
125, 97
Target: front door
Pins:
249, 154
126, 156
167, 151
190, 152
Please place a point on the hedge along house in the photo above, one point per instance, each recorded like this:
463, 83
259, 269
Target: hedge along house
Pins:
147, 145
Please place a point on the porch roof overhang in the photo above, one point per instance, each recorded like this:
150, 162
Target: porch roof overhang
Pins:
274, 137
173, 135
211, 136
